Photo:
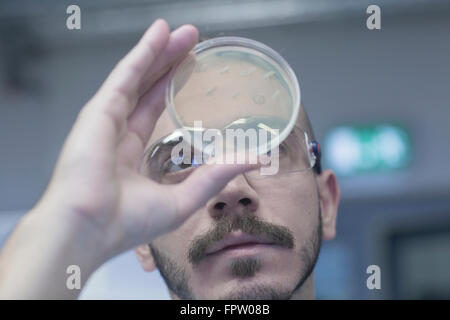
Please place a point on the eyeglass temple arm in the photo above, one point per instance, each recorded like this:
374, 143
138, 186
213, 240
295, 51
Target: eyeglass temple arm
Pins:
317, 153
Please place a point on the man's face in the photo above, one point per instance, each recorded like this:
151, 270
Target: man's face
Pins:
255, 239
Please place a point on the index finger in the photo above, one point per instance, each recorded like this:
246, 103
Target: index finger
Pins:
122, 85
100, 123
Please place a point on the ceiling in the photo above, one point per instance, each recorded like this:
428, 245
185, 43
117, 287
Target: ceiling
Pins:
122, 17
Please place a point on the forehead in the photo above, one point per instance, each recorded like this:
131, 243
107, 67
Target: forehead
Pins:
165, 126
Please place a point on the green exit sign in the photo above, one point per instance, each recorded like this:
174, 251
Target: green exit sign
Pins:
352, 150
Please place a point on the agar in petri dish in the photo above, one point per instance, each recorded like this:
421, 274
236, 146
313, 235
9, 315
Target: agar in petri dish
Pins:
234, 83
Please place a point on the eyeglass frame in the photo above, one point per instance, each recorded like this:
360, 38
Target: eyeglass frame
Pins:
314, 148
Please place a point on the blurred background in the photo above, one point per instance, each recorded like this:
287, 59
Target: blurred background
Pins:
378, 100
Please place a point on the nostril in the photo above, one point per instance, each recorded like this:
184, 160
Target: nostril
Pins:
245, 201
219, 205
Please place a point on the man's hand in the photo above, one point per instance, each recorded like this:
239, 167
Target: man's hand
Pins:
97, 205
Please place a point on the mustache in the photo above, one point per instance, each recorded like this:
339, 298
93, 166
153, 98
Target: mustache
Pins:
249, 224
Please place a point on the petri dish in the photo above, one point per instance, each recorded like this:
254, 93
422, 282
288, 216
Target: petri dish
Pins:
234, 83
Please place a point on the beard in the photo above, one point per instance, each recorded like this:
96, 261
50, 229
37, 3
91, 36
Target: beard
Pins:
177, 280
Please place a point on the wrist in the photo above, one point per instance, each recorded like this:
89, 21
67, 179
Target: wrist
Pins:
72, 231
53, 241
35, 261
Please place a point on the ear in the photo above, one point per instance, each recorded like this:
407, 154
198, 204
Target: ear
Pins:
145, 257
329, 194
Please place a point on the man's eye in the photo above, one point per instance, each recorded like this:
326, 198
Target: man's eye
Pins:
178, 164
170, 166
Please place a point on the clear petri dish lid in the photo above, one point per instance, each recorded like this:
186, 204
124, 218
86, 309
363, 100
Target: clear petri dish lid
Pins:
234, 83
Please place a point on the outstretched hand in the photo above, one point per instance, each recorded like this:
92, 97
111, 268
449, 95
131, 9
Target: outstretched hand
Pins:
97, 176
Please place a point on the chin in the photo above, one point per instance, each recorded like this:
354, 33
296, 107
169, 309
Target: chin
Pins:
257, 287
257, 290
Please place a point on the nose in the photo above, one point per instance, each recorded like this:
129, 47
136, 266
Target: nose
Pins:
238, 197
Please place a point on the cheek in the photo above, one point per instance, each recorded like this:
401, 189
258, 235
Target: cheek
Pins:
176, 243
293, 204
